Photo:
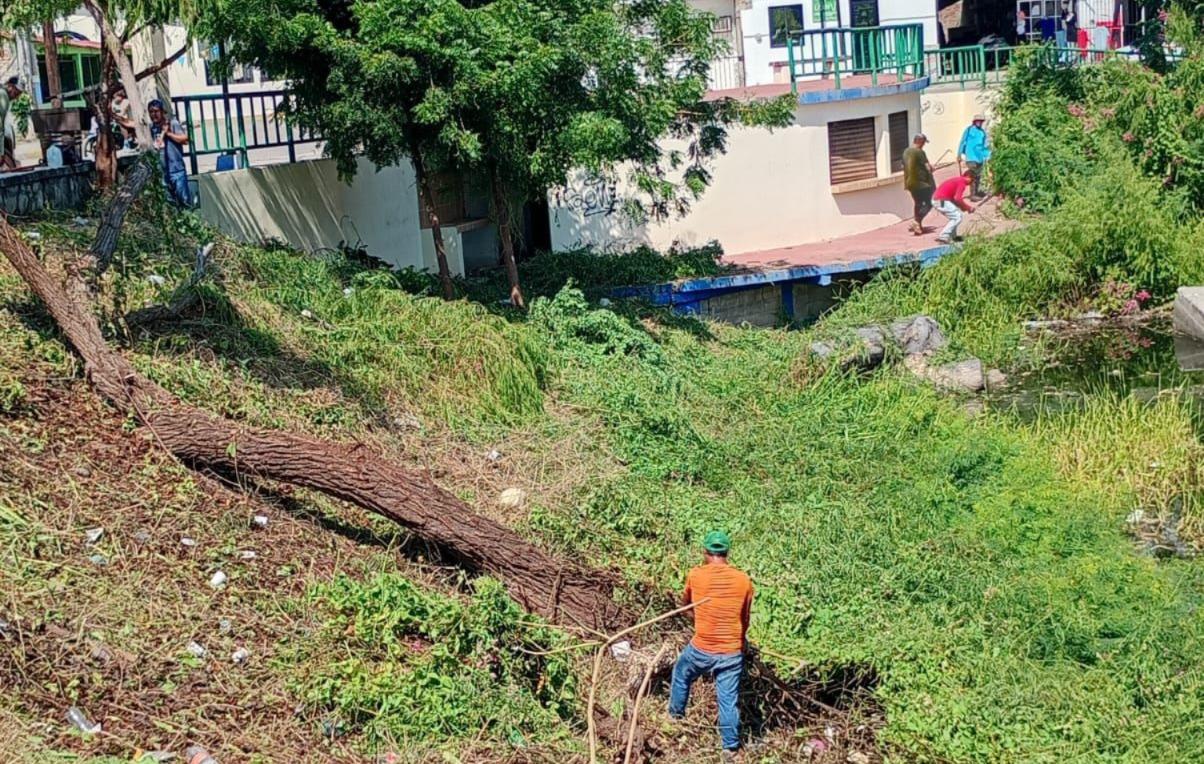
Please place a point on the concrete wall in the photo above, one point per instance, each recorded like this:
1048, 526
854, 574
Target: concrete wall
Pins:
945, 113
758, 306
306, 205
770, 190
763, 305
30, 193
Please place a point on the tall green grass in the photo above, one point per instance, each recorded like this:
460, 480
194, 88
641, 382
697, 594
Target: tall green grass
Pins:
995, 595
1114, 225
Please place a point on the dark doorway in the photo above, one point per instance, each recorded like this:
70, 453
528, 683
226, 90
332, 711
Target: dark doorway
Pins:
537, 228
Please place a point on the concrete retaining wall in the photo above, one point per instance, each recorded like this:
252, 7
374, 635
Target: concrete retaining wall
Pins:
62, 188
306, 205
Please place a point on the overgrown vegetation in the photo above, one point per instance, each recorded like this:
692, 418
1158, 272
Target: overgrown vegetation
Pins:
411, 669
977, 566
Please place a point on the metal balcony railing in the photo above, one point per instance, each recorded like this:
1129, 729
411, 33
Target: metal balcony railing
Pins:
237, 123
979, 65
839, 53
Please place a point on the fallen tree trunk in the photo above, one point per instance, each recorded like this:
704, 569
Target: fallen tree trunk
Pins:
559, 591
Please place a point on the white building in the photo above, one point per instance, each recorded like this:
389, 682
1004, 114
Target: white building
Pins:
754, 30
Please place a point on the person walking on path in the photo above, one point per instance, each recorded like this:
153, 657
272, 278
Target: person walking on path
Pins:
170, 138
724, 595
950, 203
975, 151
918, 180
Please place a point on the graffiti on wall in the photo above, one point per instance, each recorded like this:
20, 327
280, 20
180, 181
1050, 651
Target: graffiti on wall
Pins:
591, 196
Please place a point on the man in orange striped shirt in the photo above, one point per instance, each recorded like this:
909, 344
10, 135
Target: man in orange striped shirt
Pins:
724, 596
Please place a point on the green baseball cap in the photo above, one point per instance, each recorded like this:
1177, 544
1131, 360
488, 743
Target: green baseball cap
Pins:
716, 542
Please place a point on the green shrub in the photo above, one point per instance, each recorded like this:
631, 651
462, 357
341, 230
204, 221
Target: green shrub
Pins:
404, 666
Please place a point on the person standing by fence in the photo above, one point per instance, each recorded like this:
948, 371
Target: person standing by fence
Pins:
171, 138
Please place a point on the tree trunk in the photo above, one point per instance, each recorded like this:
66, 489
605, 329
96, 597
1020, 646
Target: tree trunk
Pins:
125, 72
50, 45
560, 591
113, 218
106, 150
428, 203
501, 211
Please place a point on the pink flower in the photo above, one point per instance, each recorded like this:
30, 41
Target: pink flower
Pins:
1132, 306
1128, 137
1142, 296
1076, 110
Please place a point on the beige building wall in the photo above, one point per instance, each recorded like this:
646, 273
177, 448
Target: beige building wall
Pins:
770, 190
306, 205
945, 114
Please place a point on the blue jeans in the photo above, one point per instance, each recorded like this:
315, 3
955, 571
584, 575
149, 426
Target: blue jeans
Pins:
177, 188
727, 669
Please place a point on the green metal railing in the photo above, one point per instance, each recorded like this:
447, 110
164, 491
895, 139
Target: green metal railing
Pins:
237, 123
979, 65
967, 64
840, 53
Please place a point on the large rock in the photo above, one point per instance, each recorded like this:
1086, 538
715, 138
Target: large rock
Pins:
1188, 313
918, 335
870, 350
1189, 351
967, 375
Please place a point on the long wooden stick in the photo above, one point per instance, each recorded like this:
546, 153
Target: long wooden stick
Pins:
635, 707
593, 683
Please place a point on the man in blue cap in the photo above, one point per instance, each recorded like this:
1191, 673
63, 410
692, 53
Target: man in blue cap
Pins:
724, 596
171, 138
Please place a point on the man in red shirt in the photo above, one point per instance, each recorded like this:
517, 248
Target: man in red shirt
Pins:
949, 202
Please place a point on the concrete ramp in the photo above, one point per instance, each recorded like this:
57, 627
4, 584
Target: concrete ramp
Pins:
1188, 313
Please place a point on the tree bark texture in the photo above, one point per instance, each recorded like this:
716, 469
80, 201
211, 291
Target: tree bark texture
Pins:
105, 243
428, 202
105, 155
505, 230
559, 591
50, 47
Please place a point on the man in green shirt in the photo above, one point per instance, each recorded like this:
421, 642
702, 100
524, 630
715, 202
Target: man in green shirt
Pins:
918, 180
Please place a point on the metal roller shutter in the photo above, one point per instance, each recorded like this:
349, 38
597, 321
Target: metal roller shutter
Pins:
851, 150
898, 140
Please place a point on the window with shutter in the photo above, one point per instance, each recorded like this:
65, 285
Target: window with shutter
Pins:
898, 140
851, 150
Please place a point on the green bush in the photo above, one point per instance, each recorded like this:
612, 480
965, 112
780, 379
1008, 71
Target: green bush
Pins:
401, 665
